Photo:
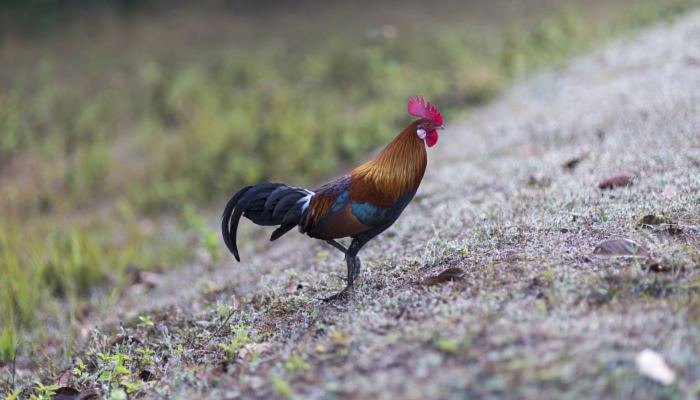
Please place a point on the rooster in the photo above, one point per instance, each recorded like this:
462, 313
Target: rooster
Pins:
359, 205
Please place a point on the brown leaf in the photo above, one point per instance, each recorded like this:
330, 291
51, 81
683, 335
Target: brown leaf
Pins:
574, 162
132, 273
66, 393
124, 339
450, 274
247, 351
619, 248
658, 265
150, 279
538, 180
293, 288
65, 379
692, 61
652, 219
668, 229
88, 394
615, 181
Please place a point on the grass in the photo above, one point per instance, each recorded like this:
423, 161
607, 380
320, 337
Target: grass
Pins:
274, 120
50, 270
103, 176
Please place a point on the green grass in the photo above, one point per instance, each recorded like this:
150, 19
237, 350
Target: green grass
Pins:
53, 269
143, 139
197, 129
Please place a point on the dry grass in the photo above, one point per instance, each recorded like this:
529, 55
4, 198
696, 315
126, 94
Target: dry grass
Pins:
110, 148
535, 315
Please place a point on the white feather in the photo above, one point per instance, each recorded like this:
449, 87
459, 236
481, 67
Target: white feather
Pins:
305, 200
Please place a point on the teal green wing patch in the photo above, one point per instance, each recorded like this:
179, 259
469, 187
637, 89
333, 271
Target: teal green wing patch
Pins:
370, 215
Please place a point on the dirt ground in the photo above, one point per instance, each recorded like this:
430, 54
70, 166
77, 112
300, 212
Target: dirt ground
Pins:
511, 198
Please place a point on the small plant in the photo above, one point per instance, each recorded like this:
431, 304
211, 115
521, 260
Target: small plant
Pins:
548, 275
8, 343
145, 321
131, 386
13, 395
80, 371
146, 354
113, 368
118, 394
296, 363
44, 392
447, 345
239, 338
282, 387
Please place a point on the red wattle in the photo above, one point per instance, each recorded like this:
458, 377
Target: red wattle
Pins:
431, 138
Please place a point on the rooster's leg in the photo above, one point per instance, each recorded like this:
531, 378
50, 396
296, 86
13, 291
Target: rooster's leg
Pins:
357, 264
351, 275
337, 246
354, 265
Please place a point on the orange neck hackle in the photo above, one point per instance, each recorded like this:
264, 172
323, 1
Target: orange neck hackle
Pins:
399, 167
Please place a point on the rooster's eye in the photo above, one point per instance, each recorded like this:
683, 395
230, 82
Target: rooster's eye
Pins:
421, 133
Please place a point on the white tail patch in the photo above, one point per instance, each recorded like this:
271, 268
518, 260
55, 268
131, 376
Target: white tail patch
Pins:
305, 201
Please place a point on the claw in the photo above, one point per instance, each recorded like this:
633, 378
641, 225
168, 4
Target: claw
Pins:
342, 294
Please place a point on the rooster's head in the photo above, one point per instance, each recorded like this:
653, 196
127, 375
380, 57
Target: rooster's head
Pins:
430, 119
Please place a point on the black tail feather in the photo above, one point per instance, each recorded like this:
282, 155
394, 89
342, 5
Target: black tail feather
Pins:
281, 231
228, 230
264, 204
283, 205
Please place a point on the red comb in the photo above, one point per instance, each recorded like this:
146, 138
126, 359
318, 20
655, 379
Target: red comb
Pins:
419, 108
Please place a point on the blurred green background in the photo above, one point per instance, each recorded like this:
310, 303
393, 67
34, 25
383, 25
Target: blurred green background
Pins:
125, 125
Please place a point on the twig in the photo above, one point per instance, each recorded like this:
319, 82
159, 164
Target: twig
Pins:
14, 365
218, 329
216, 332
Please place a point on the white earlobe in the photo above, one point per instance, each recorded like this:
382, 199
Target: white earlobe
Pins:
421, 133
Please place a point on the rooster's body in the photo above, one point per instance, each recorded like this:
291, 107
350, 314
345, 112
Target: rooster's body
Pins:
359, 205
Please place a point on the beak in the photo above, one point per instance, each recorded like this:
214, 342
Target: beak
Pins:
440, 127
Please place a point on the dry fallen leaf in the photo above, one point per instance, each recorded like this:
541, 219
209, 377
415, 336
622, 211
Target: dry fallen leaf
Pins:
294, 288
539, 180
247, 351
668, 229
619, 248
658, 265
449, 274
66, 393
616, 181
125, 339
88, 394
150, 279
340, 338
652, 365
574, 162
65, 379
652, 219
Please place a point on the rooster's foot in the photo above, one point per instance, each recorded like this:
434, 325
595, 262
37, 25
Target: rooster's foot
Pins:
340, 295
